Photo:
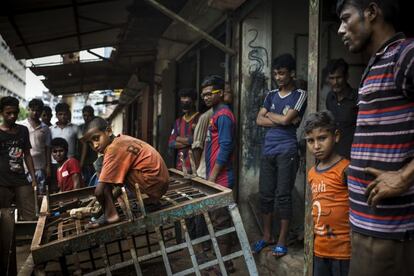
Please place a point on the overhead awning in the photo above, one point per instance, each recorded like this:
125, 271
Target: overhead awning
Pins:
89, 76
46, 27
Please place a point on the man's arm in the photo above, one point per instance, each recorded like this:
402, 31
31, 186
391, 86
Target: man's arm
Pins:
173, 143
84, 150
76, 180
48, 139
283, 120
48, 162
187, 141
389, 183
28, 160
225, 134
262, 120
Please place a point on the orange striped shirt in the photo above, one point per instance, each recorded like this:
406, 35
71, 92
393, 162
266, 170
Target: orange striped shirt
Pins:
331, 211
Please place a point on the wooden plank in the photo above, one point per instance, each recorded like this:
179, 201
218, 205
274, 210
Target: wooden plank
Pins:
27, 268
313, 88
78, 226
41, 222
60, 231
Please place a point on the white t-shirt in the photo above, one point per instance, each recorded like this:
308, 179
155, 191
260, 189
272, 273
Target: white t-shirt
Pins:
40, 138
69, 133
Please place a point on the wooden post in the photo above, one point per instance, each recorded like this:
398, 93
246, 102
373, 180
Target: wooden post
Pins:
313, 86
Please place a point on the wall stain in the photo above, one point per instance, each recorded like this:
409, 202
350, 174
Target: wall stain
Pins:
255, 94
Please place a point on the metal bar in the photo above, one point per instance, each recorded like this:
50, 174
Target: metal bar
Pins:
60, 231
140, 201
134, 256
121, 252
75, 14
69, 36
126, 204
148, 241
102, 249
215, 244
191, 46
313, 88
92, 258
190, 248
172, 249
27, 268
178, 18
244, 242
163, 252
221, 197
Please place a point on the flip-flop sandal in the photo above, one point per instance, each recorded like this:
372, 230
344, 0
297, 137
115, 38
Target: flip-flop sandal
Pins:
96, 223
279, 251
259, 245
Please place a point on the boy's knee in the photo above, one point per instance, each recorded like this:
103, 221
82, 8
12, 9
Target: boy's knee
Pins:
266, 206
99, 190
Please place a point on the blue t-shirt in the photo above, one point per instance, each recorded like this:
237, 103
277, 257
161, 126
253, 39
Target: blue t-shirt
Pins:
282, 139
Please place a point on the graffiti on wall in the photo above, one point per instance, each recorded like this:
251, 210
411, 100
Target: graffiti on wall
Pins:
253, 135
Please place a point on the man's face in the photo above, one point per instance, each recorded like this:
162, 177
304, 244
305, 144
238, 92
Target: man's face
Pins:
355, 30
87, 116
10, 114
35, 112
186, 104
337, 80
59, 154
211, 96
46, 117
283, 76
98, 140
63, 117
321, 142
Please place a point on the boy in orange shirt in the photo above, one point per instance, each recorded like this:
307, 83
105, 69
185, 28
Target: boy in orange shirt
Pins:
332, 246
126, 160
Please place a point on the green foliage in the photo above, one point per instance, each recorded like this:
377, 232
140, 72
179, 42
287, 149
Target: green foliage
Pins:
23, 113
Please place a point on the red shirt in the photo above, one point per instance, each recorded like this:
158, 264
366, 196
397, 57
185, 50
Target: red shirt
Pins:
65, 173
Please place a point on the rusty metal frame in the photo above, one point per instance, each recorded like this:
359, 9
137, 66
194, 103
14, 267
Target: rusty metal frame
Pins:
45, 252
198, 201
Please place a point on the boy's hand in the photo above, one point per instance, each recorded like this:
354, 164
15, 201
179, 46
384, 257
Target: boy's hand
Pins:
34, 183
386, 184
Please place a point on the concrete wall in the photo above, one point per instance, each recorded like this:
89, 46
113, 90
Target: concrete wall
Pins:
333, 48
289, 32
117, 123
255, 62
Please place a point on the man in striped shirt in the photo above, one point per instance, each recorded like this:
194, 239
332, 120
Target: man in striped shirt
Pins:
381, 173
181, 136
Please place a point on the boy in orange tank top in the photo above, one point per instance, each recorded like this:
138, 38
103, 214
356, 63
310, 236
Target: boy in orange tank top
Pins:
332, 246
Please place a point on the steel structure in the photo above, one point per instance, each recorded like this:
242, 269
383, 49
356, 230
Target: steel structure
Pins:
146, 231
